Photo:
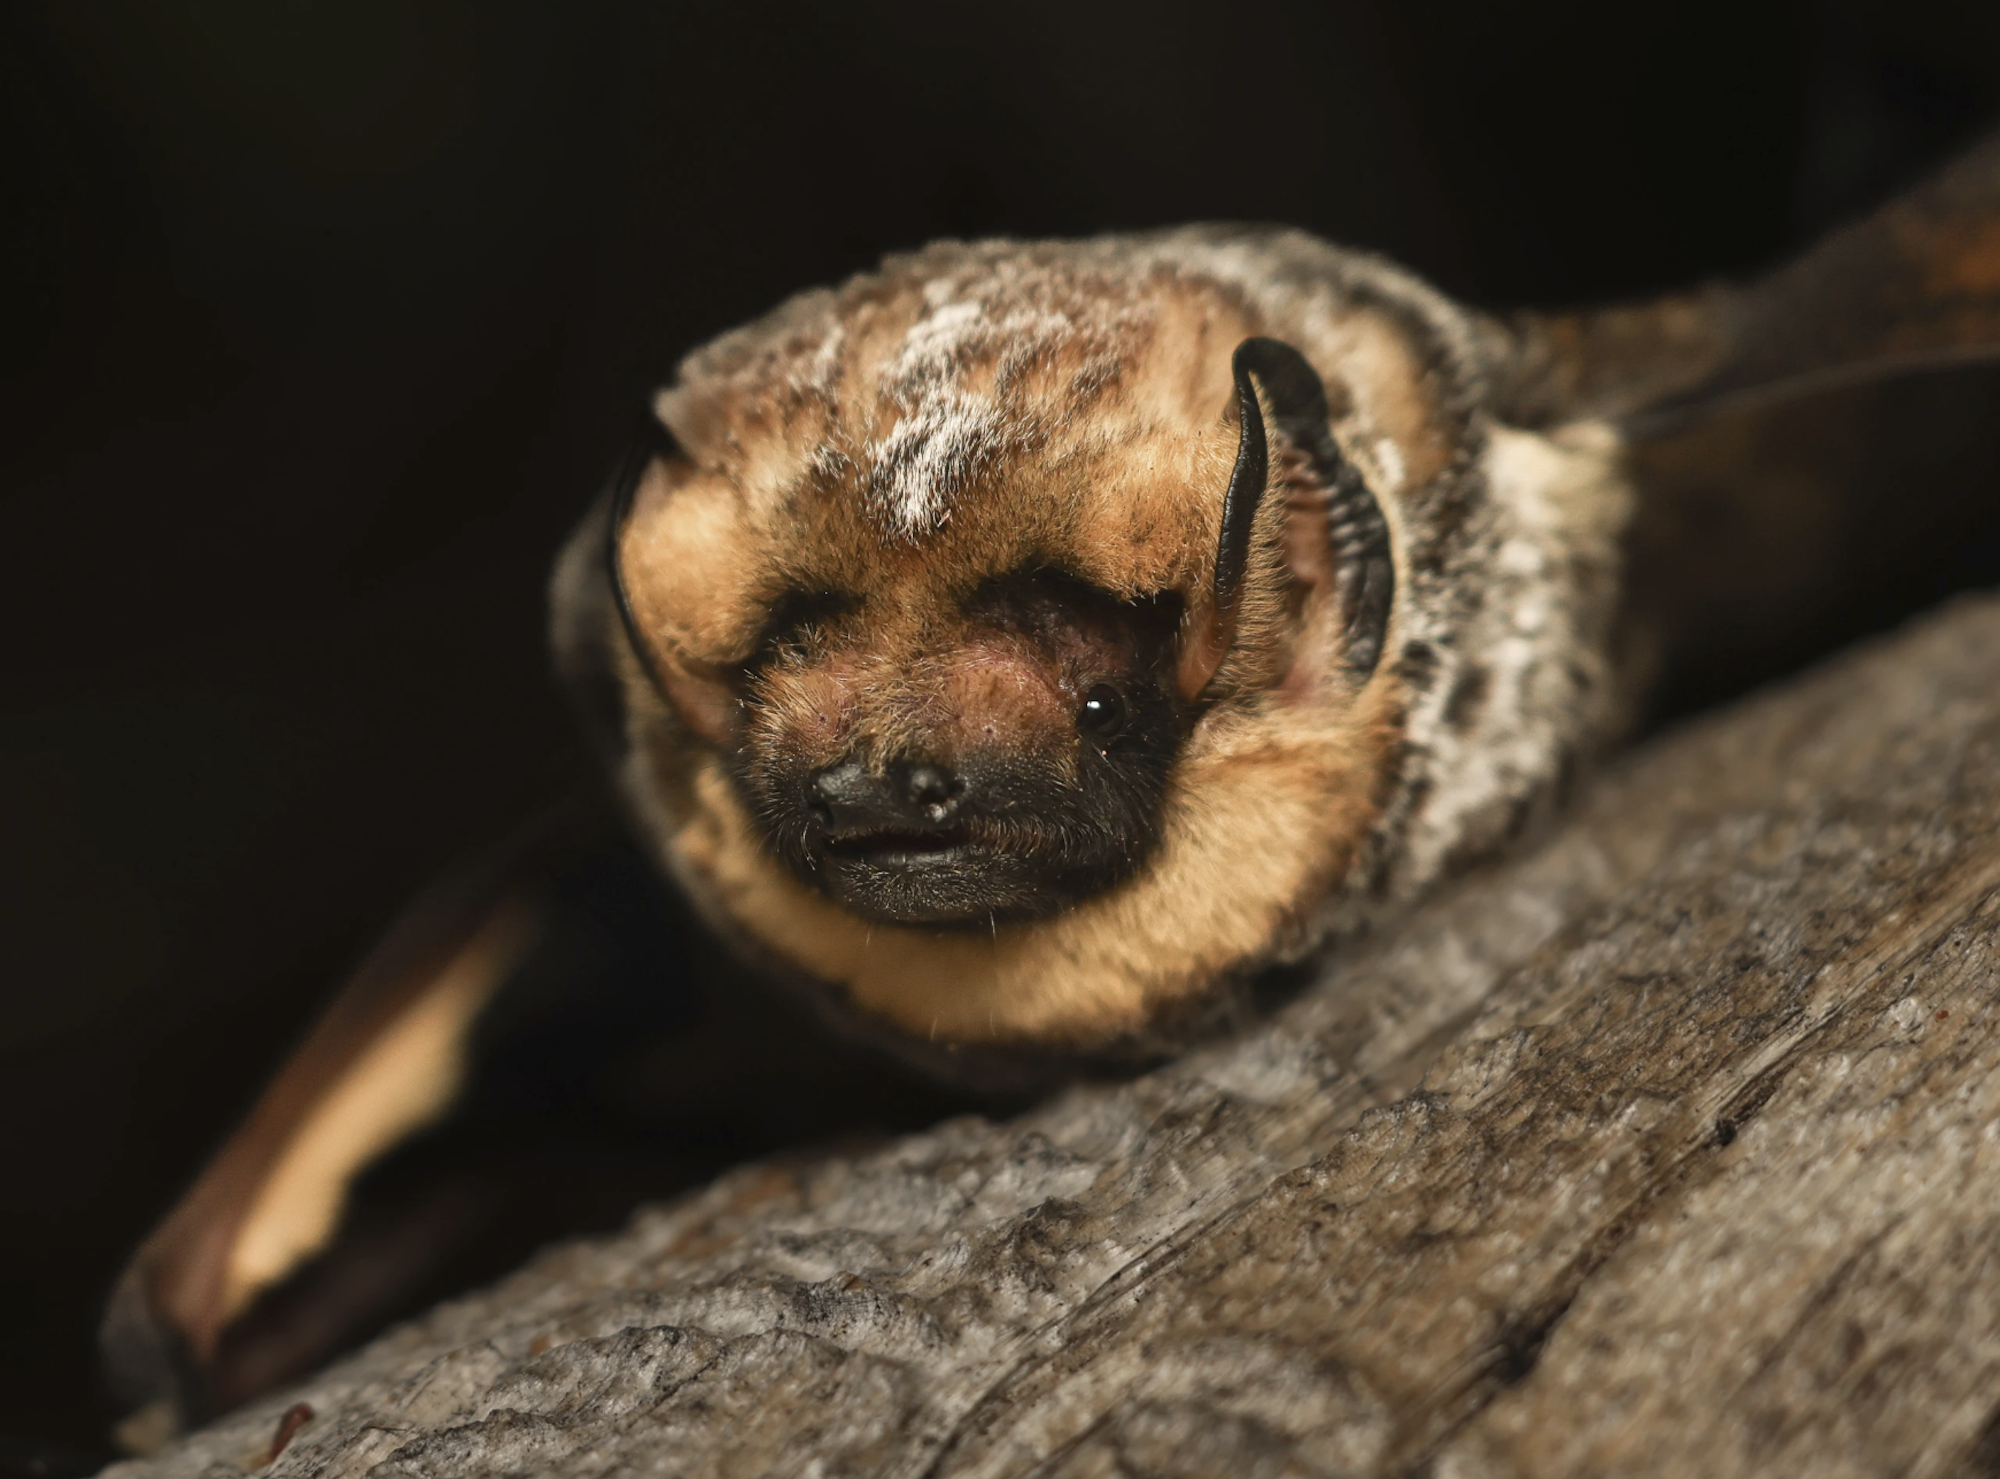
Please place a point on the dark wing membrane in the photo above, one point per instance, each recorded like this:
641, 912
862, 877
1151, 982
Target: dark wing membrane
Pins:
1914, 285
387, 1060
543, 1043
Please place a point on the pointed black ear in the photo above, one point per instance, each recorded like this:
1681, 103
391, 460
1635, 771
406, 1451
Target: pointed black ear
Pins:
1245, 493
1915, 285
1365, 571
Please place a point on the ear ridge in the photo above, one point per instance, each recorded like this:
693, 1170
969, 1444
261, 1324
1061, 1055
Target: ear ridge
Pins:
1212, 634
1357, 530
1915, 285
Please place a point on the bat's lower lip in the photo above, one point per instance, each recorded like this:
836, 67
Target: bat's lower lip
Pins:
948, 879
901, 852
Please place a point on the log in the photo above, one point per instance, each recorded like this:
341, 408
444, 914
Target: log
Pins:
1671, 1147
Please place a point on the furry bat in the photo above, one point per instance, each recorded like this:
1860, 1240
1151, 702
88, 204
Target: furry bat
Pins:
1022, 650
1025, 639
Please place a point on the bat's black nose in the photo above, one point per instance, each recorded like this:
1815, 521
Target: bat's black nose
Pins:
910, 797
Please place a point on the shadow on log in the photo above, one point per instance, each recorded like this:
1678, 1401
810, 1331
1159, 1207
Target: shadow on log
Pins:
1672, 1147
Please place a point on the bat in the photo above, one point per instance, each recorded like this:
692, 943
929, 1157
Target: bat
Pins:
1014, 661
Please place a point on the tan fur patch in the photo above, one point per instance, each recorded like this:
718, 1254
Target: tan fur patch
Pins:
1262, 815
977, 410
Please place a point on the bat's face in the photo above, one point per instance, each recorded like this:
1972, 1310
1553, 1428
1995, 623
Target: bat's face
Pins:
947, 683
964, 754
1026, 637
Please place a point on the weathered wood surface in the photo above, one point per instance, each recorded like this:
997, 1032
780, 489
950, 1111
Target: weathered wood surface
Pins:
1671, 1148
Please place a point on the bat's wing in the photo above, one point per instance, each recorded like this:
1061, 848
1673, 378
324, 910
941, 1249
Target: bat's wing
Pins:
1914, 285
388, 1060
542, 1043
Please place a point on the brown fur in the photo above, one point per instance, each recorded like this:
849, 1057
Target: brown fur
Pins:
978, 410
844, 573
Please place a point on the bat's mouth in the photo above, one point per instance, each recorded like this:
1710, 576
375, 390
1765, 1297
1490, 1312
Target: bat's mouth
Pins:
973, 846
891, 848
948, 877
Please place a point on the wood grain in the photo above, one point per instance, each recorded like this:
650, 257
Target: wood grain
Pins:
1672, 1147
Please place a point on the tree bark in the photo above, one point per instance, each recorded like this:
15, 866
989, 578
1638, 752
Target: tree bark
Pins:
1671, 1147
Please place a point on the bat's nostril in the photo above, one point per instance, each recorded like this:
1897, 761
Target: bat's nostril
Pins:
932, 790
851, 798
838, 783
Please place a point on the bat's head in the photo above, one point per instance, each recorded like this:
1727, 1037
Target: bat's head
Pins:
1018, 637
951, 599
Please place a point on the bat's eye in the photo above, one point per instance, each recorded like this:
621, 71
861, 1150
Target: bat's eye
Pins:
797, 614
1102, 715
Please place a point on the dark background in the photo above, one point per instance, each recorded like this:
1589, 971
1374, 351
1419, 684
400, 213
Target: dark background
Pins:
323, 320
